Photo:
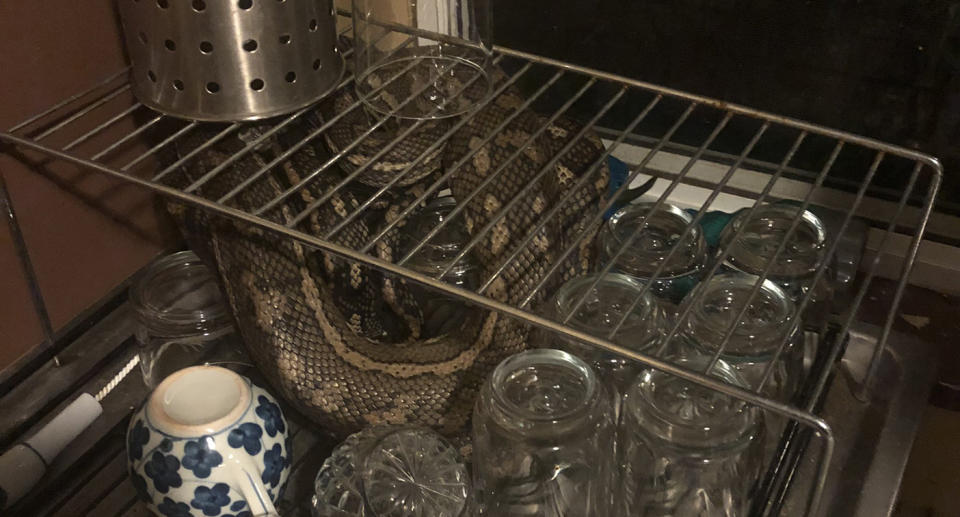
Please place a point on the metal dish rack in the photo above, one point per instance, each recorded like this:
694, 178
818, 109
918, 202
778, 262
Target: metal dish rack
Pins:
81, 130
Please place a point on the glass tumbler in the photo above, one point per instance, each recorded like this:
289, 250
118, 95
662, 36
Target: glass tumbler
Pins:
422, 59
795, 266
661, 233
685, 449
603, 309
442, 314
543, 439
757, 336
182, 318
392, 471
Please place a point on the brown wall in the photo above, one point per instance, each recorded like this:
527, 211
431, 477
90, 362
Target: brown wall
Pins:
86, 233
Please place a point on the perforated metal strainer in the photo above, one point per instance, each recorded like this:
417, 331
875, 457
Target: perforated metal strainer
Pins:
226, 60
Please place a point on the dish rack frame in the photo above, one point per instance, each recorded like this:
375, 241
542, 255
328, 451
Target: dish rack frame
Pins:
53, 133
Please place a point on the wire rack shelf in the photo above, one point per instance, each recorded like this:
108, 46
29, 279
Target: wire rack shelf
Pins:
104, 129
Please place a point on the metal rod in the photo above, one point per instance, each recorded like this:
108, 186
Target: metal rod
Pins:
478, 236
26, 265
379, 154
728, 107
90, 107
425, 153
450, 172
588, 173
230, 160
721, 257
313, 134
696, 220
904, 276
200, 148
598, 217
165, 142
126, 138
787, 411
113, 120
468, 296
795, 318
68, 100
770, 262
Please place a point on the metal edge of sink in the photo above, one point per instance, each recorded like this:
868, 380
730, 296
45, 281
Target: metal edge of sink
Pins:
873, 439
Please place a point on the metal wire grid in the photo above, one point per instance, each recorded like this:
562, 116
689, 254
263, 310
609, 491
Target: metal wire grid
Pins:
86, 130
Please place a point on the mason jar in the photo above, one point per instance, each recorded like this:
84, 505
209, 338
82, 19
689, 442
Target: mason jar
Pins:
442, 314
796, 266
661, 233
686, 450
543, 438
604, 307
182, 319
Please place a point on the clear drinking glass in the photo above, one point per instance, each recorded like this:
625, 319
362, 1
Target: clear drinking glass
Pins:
415, 57
603, 308
442, 314
660, 234
393, 471
756, 338
685, 450
543, 438
796, 265
182, 319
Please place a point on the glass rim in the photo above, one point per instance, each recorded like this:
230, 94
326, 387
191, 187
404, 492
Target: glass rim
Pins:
744, 282
779, 210
360, 81
389, 431
741, 424
571, 291
666, 212
154, 315
544, 357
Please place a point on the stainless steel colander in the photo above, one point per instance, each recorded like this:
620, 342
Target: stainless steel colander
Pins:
227, 60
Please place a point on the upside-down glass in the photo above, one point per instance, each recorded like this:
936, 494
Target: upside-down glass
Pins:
756, 338
753, 345
392, 471
543, 439
442, 314
685, 450
795, 266
602, 309
182, 319
650, 248
415, 56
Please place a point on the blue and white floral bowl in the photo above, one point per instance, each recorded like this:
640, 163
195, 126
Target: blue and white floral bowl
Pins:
208, 442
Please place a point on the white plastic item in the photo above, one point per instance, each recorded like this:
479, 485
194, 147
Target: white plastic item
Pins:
24, 464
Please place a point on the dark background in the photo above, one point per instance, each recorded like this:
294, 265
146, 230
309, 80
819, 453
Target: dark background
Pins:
887, 69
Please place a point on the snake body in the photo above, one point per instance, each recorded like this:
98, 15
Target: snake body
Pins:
343, 342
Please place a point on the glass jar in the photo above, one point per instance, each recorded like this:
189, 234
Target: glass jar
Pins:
392, 471
795, 266
543, 438
182, 320
650, 248
757, 336
416, 56
442, 314
603, 308
685, 449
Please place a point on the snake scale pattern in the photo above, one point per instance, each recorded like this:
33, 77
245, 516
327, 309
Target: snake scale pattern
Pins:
343, 342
